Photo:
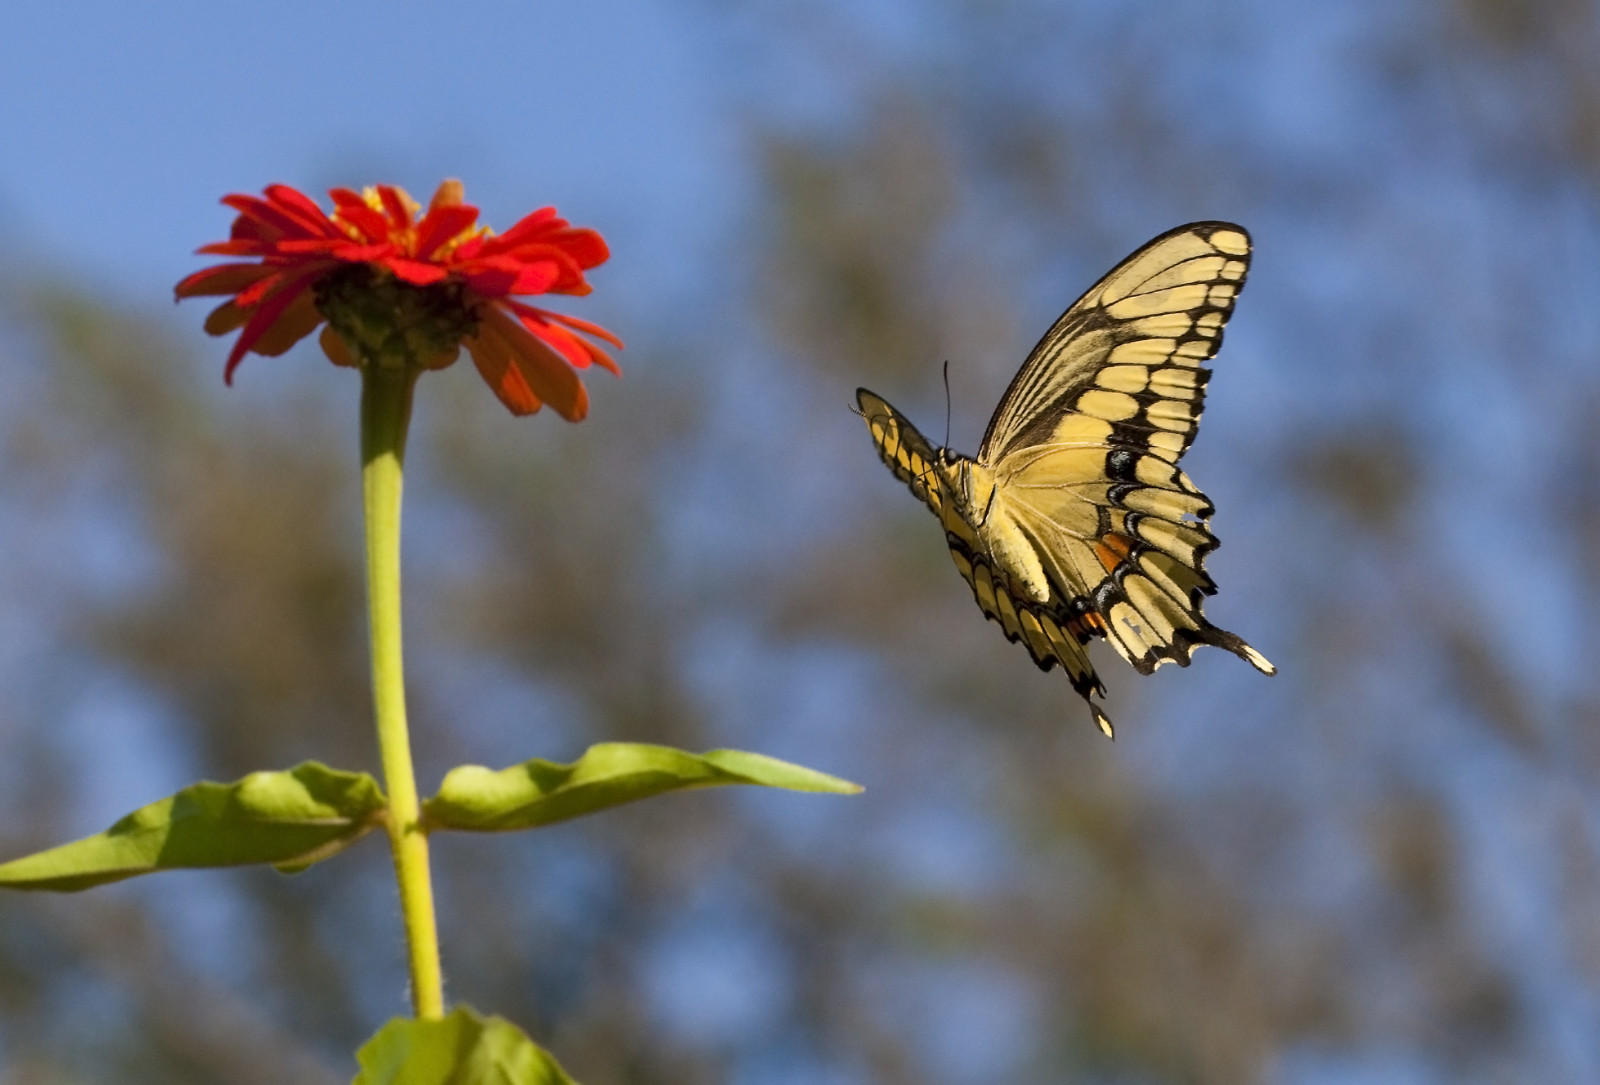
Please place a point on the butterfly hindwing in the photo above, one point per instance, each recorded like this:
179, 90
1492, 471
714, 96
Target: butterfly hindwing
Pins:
1051, 637
1050, 634
1074, 520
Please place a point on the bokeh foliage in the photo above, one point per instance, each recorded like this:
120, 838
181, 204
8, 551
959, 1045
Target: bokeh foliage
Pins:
1379, 866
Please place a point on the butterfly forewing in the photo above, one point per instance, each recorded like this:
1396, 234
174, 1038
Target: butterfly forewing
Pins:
1129, 351
1090, 528
912, 459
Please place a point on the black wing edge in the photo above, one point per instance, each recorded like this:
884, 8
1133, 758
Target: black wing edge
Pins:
1085, 680
1204, 227
902, 448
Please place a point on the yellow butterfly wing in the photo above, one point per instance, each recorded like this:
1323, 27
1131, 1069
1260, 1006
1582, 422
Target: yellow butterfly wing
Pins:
1085, 444
1158, 314
1050, 635
1074, 520
906, 451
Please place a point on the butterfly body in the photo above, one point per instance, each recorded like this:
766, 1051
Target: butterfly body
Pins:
1074, 520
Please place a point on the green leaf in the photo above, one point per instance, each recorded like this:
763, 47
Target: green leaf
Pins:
461, 1049
290, 819
540, 792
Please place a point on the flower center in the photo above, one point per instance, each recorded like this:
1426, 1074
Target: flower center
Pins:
385, 321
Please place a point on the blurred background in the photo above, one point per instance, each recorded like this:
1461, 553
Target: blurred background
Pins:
1380, 866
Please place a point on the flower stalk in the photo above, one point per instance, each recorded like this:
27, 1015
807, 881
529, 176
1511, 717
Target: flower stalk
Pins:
398, 290
386, 391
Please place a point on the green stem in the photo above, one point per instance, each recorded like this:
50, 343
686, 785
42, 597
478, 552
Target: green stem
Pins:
385, 415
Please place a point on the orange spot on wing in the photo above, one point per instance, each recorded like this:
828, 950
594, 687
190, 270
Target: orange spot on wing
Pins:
1112, 550
1087, 625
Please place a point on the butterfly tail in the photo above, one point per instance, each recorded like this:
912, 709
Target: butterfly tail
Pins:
1235, 644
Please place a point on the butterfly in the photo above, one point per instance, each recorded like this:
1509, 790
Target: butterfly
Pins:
1074, 520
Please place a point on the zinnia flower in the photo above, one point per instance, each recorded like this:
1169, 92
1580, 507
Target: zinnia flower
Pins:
396, 289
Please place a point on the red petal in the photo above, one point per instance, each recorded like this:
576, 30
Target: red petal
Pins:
252, 295
414, 271
442, 224
277, 221
298, 320
525, 311
262, 319
603, 360
523, 370
583, 326
528, 226
337, 248
225, 318
336, 350
577, 353
538, 277
221, 279
570, 280
448, 194
469, 250
584, 247
245, 229
492, 358
395, 205
238, 247
302, 209
363, 218
587, 247
491, 278
256, 218
444, 359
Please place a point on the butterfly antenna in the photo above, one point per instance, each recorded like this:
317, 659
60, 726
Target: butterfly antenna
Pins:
947, 403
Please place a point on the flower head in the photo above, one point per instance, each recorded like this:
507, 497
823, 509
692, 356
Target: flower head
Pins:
396, 288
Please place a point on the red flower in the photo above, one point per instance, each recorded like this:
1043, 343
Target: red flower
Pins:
387, 282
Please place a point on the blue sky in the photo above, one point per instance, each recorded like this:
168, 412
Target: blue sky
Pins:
123, 124
1385, 249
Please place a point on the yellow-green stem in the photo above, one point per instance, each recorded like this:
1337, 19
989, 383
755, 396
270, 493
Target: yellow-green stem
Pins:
385, 415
